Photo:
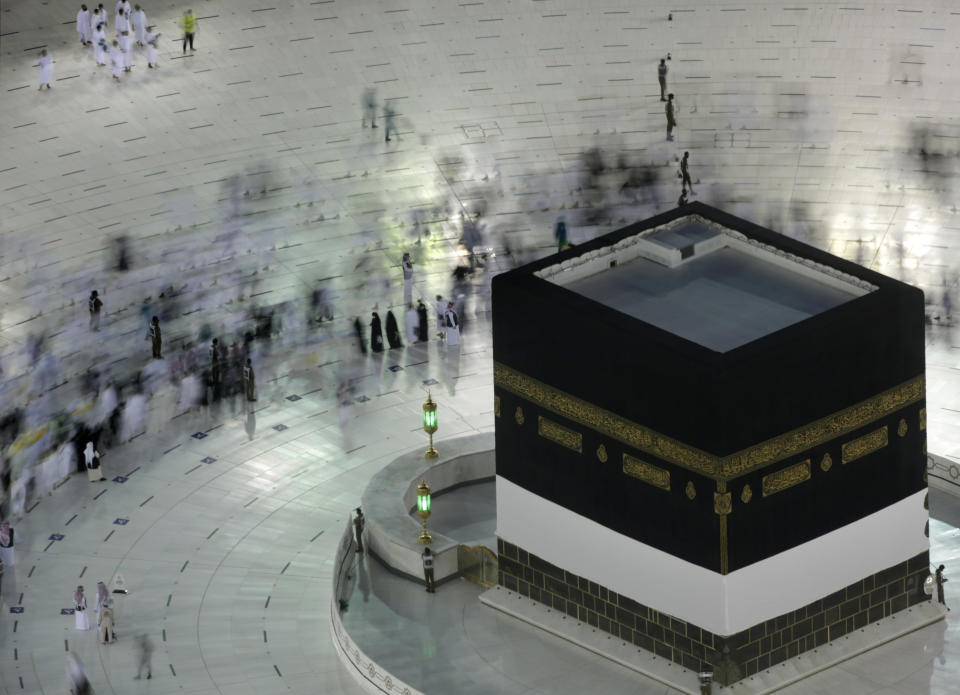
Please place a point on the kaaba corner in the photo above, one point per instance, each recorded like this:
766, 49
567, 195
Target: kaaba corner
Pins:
691, 413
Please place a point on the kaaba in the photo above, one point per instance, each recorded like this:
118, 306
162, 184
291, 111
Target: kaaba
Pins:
710, 440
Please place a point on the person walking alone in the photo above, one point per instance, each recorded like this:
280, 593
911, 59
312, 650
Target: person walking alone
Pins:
94, 305
45, 63
671, 117
144, 650
407, 265
359, 521
685, 172
156, 339
662, 77
249, 381
189, 25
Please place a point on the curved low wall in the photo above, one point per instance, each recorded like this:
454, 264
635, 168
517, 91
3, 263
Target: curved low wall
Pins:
368, 674
391, 534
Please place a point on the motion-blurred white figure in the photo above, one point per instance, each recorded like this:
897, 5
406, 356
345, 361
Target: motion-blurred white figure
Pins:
45, 62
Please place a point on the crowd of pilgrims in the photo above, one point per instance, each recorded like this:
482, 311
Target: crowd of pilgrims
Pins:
60, 432
130, 25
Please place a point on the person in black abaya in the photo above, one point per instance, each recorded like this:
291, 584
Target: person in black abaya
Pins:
422, 327
393, 334
358, 327
376, 334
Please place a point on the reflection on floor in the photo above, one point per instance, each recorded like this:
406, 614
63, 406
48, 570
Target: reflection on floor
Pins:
447, 642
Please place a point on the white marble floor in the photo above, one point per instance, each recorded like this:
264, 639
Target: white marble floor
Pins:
834, 124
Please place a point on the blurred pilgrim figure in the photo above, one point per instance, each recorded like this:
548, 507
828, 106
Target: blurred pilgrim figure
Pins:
144, 650
376, 333
100, 45
151, 40
393, 333
6, 544
451, 325
412, 321
370, 107
45, 62
116, 60
79, 685
422, 330
407, 265
126, 48
249, 381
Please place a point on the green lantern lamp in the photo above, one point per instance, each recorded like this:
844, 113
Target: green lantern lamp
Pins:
430, 424
423, 510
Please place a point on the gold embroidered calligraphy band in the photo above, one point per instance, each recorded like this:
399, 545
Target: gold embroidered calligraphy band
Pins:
719, 468
563, 436
786, 477
864, 445
641, 470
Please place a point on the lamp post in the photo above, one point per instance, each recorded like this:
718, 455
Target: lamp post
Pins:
430, 424
423, 510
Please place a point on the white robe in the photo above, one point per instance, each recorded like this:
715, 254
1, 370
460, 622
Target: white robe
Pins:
83, 25
99, 52
151, 49
134, 416
46, 69
452, 327
80, 616
6, 553
412, 323
126, 46
139, 20
116, 61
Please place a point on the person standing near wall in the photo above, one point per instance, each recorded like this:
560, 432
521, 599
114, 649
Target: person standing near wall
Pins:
941, 580
359, 522
428, 571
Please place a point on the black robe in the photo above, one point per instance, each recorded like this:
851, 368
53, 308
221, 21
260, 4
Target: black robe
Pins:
358, 327
422, 331
376, 334
393, 335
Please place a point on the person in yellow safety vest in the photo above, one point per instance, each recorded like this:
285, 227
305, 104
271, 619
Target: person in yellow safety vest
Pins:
189, 26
